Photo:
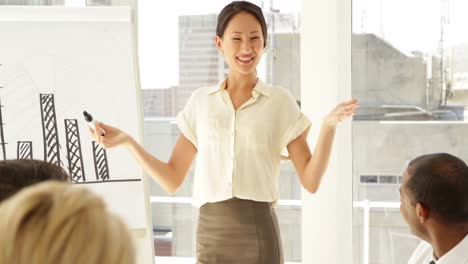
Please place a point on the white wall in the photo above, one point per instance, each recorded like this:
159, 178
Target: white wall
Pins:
326, 80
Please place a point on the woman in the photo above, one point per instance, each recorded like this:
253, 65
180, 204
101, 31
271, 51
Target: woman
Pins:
237, 130
55, 223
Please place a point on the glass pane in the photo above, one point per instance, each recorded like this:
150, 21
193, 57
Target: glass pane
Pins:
410, 74
177, 55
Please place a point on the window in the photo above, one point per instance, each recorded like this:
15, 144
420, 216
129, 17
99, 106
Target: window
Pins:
177, 56
411, 78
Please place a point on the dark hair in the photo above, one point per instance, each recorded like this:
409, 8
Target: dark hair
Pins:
440, 182
20, 173
235, 8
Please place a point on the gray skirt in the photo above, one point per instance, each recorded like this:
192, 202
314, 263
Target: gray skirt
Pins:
238, 231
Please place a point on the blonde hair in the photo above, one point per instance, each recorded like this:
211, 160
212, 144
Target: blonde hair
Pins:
53, 222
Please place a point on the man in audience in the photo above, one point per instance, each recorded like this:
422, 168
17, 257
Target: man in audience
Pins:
20, 173
434, 202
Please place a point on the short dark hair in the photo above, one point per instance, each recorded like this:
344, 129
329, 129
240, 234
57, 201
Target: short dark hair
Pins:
19, 173
236, 7
439, 181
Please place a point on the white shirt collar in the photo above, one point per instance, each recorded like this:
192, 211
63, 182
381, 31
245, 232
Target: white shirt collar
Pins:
457, 255
260, 87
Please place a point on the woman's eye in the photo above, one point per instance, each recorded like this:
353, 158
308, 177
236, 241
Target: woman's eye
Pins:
255, 38
236, 39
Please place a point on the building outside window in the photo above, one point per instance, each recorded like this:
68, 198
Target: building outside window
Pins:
410, 73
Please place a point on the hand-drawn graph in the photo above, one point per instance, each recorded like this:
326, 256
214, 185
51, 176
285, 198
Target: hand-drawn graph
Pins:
74, 155
51, 143
24, 150
100, 162
49, 74
49, 129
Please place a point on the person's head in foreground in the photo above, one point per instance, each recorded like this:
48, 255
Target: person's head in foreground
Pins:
434, 200
53, 222
19, 173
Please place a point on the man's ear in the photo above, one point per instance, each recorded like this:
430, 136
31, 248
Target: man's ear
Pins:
422, 212
219, 44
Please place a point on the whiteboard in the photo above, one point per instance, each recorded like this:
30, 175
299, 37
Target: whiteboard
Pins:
56, 62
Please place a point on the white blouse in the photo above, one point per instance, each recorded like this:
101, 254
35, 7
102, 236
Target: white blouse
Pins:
239, 152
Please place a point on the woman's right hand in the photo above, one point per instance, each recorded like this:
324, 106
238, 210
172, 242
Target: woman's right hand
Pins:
112, 138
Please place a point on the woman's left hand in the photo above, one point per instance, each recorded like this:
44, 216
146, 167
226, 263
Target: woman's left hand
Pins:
341, 112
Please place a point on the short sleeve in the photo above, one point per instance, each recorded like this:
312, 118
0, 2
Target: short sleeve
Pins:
186, 121
294, 121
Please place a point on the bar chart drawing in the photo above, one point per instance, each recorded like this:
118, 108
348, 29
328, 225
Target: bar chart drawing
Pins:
26, 125
100, 162
49, 129
24, 150
19, 80
44, 89
74, 153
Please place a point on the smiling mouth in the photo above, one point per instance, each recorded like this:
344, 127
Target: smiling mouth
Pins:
245, 60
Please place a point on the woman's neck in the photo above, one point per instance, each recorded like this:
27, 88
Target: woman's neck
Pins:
240, 83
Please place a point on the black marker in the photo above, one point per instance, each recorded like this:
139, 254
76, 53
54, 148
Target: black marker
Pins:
91, 122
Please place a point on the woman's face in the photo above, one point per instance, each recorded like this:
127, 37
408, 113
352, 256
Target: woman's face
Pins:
242, 43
